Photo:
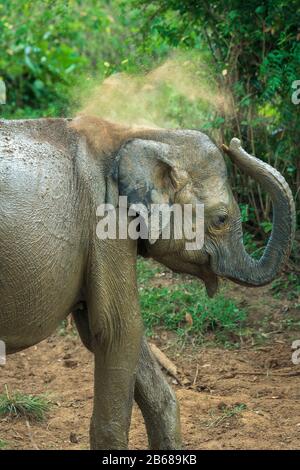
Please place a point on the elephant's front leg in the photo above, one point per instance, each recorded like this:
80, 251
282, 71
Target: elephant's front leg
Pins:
116, 331
115, 373
153, 394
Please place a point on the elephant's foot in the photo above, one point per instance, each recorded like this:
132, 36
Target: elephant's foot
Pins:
113, 399
157, 402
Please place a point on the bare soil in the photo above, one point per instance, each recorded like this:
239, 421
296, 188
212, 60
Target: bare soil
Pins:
230, 399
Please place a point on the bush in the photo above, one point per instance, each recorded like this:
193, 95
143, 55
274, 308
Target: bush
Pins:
185, 308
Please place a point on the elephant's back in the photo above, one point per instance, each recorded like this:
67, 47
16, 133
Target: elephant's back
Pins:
36, 157
54, 131
42, 139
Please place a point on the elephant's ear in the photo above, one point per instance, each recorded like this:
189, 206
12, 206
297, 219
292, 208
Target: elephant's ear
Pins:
147, 173
151, 181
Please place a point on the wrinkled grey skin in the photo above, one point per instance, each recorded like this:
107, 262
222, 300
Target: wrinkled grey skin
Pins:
52, 263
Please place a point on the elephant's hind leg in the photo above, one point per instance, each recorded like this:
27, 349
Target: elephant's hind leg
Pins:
152, 393
157, 402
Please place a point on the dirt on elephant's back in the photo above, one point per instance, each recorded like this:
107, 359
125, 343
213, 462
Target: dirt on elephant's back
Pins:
246, 399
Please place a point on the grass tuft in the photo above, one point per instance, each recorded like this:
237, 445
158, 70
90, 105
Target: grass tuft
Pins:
227, 413
19, 405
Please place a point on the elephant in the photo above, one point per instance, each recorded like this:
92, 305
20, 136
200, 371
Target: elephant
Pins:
54, 173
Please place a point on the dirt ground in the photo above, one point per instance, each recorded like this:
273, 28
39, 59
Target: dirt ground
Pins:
230, 399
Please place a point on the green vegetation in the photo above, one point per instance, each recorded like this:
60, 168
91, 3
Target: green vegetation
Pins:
287, 286
227, 413
67, 327
146, 271
169, 307
17, 405
180, 304
3, 444
184, 307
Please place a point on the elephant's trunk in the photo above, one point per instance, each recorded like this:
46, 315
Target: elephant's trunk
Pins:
243, 268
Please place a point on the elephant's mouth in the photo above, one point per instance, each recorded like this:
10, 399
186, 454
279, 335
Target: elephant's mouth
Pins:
203, 272
210, 280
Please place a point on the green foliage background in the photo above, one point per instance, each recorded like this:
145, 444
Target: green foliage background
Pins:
251, 49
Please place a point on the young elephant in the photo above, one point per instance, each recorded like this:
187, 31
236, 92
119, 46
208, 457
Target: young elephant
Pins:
53, 176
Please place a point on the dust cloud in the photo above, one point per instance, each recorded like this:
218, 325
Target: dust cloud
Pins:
179, 93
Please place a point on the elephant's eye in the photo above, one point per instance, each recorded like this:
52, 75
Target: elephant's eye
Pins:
220, 220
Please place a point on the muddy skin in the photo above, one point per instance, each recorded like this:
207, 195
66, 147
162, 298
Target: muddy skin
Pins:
153, 394
54, 173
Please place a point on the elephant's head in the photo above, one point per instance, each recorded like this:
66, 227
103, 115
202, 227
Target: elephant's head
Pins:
187, 167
